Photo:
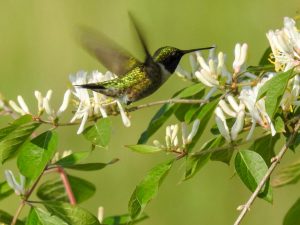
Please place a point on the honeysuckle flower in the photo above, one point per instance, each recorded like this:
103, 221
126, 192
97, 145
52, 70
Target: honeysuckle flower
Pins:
222, 124
291, 94
171, 136
22, 108
240, 54
256, 109
285, 45
232, 109
188, 137
18, 187
212, 72
100, 215
96, 104
172, 140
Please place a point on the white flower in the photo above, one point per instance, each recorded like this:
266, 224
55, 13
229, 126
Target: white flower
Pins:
96, 104
19, 188
233, 110
257, 109
172, 140
285, 45
100, 215
240, 53
221, 124
188, 137
291, 94
22, 108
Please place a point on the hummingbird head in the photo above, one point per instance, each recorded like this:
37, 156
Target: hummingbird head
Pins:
169, 57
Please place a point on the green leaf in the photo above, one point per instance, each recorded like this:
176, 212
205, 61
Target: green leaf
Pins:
204, 114
144, 148
182, 109
71, 214
147, 189
265, 58
190, 91
53, 190
73, 158
251, 168
6, 218
223, 154
157, 121
292, 217
35, 154
274, 89
279, 125
5, 190
99, 133
265, 147
13, 136
196, 161
166, 111
90, 166
38, 216
123, 220
287, 175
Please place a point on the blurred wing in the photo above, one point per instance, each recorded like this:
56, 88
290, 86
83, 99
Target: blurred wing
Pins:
109, 53
140, 36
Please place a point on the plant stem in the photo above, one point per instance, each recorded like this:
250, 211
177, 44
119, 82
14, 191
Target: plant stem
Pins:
130, 109
277, 158
66, 183
14, 221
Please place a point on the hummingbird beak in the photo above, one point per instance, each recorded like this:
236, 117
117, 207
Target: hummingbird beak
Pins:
196, 49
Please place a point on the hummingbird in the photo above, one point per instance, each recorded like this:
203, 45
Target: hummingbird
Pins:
135, 79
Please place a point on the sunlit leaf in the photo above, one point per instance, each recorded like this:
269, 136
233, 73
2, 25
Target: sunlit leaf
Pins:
99, 133
13, 136
251, 168
6, 218
274, 89
196, 161
38, 216
71, 214
123, 220
164, 113
183, 109
144, 148
279, 125
35, 154
287, 175
292, 217
54, 190
203, 114
147, 189
73, 158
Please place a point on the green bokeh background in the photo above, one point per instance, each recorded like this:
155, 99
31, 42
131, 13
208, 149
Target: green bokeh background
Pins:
38, 52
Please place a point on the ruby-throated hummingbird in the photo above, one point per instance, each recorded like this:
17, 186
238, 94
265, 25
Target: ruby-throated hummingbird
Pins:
136, 79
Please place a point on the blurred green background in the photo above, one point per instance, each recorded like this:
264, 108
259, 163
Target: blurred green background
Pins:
38, 52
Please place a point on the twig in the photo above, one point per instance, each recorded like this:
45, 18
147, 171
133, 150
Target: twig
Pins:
277, 158
130, 109
172, 100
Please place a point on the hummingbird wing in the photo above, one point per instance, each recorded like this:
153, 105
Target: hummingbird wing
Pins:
109, 53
